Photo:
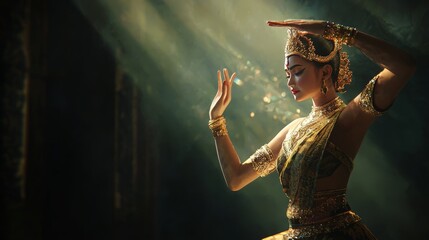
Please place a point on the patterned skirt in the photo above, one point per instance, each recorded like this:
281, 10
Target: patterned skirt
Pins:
354, 231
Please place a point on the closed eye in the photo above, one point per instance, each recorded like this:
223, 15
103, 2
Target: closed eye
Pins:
299, 72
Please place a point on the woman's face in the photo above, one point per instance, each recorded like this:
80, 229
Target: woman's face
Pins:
304, 78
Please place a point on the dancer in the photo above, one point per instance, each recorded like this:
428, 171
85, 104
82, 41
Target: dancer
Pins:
314, 155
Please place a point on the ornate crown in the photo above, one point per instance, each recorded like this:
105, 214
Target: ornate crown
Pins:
296, 46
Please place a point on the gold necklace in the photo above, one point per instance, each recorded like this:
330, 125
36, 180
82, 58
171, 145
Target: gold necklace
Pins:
326, 110
313, 121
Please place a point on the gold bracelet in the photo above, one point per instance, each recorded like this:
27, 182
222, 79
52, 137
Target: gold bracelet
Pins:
218, 126
343, 34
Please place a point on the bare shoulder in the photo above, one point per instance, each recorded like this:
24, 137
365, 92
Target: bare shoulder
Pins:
276, 143
291, 125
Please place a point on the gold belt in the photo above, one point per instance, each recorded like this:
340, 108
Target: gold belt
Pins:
325, 205
330, 212
339, 221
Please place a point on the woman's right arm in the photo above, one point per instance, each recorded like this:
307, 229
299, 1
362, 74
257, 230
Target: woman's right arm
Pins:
236, 174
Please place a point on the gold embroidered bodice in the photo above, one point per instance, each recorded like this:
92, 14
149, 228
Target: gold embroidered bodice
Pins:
332, 159
307, 158
306, 152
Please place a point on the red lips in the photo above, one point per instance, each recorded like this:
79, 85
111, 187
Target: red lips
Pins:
294, 91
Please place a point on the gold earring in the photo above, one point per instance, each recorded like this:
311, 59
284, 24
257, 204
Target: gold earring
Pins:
323, 88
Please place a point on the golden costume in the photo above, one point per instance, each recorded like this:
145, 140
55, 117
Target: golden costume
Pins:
307, 155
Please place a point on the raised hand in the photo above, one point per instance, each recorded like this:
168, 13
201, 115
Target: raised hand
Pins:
310, 26
223, 96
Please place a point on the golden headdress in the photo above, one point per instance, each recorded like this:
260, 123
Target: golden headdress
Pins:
299, 44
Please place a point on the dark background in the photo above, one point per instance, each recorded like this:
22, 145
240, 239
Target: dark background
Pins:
104, 128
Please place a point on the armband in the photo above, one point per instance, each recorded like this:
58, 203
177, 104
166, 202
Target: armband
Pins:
263, 161
366, 101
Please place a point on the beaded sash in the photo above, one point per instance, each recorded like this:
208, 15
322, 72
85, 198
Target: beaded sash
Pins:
302, 152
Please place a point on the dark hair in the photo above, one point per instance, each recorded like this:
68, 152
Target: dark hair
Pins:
323, 48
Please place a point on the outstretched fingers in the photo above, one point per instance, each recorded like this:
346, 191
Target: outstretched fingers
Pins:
306, 26
225, 74
285, 23
219, 83
230, 83
224, 86
223, 95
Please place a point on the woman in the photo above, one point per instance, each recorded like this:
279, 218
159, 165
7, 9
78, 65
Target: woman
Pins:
314, 155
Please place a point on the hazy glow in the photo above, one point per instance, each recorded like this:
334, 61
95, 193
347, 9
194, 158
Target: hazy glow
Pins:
190, 41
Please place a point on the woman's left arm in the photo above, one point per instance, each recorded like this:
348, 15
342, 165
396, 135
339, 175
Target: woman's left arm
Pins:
398, 65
